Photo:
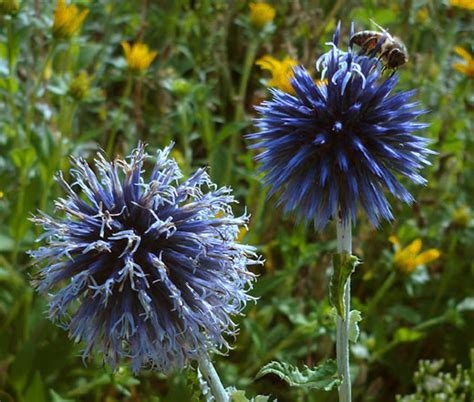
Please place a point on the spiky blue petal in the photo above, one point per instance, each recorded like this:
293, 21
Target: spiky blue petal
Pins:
146, 270
333, 147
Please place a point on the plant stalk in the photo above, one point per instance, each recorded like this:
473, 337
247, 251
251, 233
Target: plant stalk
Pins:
211, 376
113, 134
344, 244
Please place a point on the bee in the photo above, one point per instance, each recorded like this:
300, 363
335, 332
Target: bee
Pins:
392, 51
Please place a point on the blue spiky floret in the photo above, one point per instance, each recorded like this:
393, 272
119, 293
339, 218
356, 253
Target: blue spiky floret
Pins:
338, 143
144, 270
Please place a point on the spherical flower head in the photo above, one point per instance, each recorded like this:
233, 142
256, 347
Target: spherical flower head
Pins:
261, 14
138, 56
282, 72
67, 20
467, 67
336, 144
144, 270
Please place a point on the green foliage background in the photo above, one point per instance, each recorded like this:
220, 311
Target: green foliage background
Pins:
200, 93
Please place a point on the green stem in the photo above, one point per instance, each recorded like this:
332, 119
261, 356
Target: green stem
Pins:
389, 281
344, 244
113, 134
11, 76
432, 322
248, 64
240, 107
18, 214
39, 80
211, 376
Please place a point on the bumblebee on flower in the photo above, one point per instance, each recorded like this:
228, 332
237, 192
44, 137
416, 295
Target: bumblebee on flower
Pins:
337, 144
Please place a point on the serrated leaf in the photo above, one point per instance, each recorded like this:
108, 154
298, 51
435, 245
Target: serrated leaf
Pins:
323, 377
343, 266
354, 317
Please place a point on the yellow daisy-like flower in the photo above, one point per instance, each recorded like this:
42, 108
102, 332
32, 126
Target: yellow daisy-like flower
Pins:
467, 67
67, 20
261, 14
139, 57
466, 4
408, 258
282, 72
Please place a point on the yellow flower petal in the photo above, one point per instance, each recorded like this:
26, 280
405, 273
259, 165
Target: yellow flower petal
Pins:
427, 256
394, 241
126, 49
466, 4
414, 247
267, 62
282, 71
138, 56
463, 53
261, 14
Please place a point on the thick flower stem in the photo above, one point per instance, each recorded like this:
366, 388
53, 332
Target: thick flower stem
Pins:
344, 243
211, 376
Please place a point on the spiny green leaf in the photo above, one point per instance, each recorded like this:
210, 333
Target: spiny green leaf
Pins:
354, 317
323, 376
344, 265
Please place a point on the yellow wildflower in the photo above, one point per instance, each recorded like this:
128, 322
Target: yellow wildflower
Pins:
139, 57
261, 14
79, 87
466, 4
466, 68
67, 20
408, 258
9, 7
1, 194
461, 217
281, 71
422, 15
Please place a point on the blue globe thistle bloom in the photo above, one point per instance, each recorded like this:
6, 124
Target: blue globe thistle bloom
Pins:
147, 270
338, 144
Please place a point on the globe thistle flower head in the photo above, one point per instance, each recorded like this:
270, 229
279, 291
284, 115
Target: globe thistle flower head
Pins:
337, 144
144, 270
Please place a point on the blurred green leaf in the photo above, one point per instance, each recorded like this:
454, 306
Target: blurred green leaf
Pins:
23, 158
407, 335
35, 392
6, 243
55, 397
